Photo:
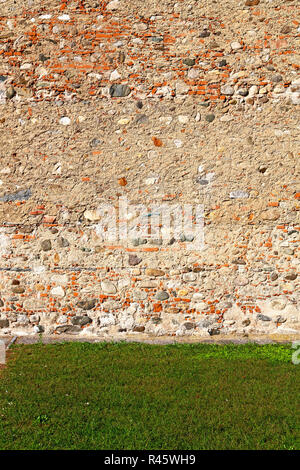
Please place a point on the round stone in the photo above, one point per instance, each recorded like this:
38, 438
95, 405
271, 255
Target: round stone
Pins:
204, 34
62, 242
46, 245
108, 287
139, 294
189, 277
65, 121
162, 295
189, 62
227, 90
291, 276
277, 78
87, 304
210, 117
10, 92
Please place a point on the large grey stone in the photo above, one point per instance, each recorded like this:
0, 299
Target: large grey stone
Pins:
162, 295
80, 320
119, 91
46, 245
86, 304
18, 196
69, 329
263, 317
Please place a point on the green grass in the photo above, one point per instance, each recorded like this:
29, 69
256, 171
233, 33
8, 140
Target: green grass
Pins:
138, 396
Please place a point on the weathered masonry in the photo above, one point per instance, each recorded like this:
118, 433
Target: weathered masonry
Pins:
163, 104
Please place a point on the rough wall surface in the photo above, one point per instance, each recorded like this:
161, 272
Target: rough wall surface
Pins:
187, 102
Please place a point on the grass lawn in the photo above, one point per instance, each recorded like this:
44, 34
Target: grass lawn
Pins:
138, 396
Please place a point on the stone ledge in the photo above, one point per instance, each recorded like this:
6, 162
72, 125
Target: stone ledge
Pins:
263, 339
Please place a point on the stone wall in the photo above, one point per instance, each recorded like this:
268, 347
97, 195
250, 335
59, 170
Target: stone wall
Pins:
164, 102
